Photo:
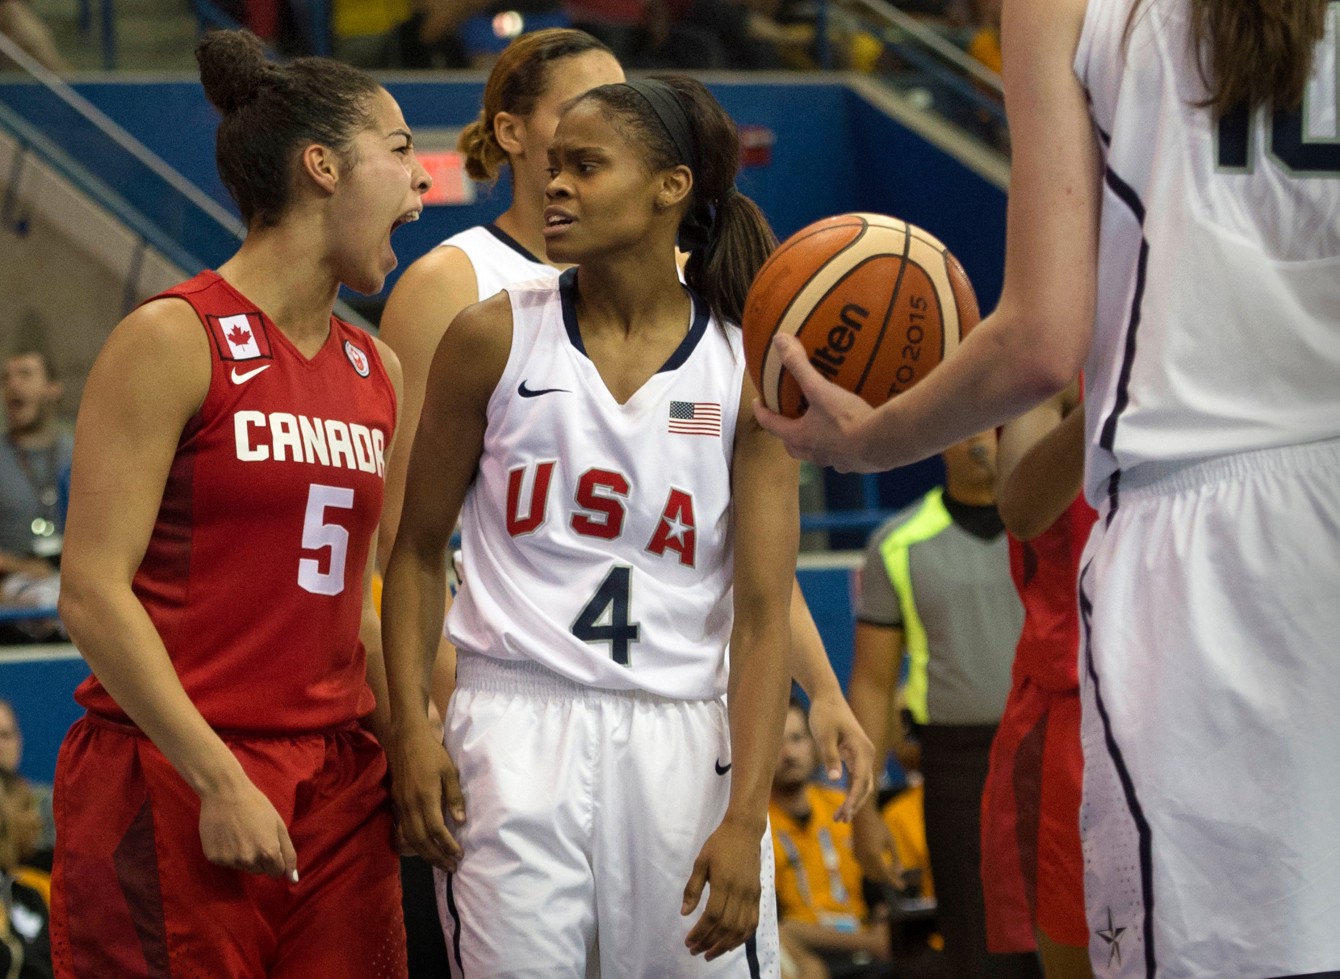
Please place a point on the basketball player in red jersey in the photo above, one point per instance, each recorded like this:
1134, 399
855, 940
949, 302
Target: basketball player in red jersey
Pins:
1032, 867
221, 808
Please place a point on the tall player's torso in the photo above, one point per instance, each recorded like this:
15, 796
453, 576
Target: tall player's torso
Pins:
253, 575
597, 535
1218, 320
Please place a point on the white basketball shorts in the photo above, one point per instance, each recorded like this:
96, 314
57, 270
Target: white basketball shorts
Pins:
585, 810
1210, 603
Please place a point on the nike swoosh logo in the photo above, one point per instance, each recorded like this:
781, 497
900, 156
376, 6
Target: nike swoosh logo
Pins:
526, 392
248, 375
722, 769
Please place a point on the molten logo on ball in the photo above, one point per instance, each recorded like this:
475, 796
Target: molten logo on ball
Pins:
829, 360
876, 303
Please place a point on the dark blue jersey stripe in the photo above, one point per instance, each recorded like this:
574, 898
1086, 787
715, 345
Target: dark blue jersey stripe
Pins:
1108, 434
1123, 774
512, 243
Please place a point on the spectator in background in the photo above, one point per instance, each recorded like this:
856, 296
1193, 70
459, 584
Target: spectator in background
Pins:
20, 23
34, 458
936, 586
25, 831
821, 911
11, 756
25, 943
681, 34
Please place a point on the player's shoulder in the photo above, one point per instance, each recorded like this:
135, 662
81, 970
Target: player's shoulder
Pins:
165, 327
447, 267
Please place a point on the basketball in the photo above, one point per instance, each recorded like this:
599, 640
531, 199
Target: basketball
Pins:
875, 301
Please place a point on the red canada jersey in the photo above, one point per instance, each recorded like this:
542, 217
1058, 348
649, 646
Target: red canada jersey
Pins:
1045, 571
253, 575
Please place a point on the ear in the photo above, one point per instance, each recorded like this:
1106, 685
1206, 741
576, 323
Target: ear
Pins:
510, 132
676, 185
321, 165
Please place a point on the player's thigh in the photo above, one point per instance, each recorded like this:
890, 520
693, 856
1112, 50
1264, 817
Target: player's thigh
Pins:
133, 893
666, 784
522, 901
1060, 860
344, 917
1209, 677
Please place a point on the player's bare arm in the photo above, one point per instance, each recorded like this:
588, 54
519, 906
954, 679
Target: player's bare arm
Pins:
876, 665
369, 626
447, 446
146, 384
425, 300
837, 733
1041, 464
1034, 342
767, 529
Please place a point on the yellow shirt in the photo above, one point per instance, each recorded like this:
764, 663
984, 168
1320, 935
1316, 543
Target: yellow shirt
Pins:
818, 878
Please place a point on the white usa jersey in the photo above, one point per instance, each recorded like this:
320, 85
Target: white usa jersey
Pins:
1218, 310
497, 258
599, 534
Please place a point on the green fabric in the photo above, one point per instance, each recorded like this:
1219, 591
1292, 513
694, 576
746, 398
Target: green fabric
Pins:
929, 520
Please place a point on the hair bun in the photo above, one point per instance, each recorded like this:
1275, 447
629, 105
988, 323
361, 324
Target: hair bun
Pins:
233, 67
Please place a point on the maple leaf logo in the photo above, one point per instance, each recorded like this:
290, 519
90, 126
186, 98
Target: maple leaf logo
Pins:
239, 336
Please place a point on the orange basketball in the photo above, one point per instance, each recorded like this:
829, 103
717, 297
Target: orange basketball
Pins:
875, 301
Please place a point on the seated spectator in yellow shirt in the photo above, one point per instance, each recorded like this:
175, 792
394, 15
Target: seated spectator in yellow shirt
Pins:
824, 921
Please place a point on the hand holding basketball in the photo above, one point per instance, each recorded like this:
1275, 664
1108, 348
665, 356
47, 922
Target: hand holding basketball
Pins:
875, 302
828, 434
847, 313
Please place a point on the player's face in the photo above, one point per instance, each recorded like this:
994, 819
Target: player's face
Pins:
798, 759
382, 191
601, 196
568, 79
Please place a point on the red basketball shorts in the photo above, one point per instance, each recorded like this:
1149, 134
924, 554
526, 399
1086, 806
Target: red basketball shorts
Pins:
1032, 867
133, 895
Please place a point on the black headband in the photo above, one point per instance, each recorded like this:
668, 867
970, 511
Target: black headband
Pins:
665, 105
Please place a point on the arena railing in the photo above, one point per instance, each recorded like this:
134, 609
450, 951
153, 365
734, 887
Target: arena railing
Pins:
923, 58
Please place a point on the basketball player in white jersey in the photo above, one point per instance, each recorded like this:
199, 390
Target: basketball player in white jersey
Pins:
536, 75
1175, 198
625, 520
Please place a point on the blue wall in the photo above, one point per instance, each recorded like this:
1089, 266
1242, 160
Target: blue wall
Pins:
41, 689
834, 152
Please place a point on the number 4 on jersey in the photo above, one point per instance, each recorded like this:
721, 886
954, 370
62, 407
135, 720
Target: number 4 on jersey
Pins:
605, 617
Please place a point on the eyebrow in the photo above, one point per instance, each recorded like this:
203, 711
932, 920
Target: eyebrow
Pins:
575, 150
402, 132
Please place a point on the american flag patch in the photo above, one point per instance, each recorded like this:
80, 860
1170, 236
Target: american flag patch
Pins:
695, 418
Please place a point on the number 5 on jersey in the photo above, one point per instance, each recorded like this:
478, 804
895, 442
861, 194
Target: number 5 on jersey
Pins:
606, 616
319, 535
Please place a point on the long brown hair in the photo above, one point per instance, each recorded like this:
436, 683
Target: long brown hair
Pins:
1253, 52
519, 79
